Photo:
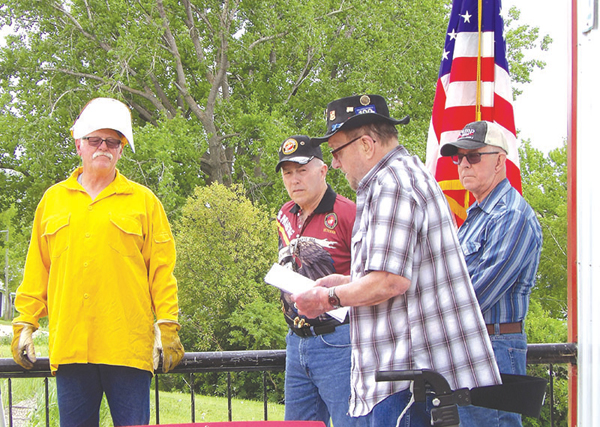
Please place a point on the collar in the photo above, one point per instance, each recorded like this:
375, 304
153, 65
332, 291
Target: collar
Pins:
396, 152
489, 203
325, 205
120, 184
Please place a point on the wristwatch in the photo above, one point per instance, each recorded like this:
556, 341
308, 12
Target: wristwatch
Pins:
333, 298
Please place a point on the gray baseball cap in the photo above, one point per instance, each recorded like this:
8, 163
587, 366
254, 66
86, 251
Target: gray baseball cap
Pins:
476, 135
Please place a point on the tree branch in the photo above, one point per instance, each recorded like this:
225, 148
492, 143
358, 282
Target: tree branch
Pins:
180, 83
266, 39
309, 57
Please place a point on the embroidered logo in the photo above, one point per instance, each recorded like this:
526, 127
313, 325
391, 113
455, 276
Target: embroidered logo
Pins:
331, 220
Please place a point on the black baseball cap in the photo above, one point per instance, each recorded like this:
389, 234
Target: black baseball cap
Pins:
355, 111
298, 149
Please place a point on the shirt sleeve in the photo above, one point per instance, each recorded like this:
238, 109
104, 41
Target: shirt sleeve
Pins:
31, 300
510, 244
160, 256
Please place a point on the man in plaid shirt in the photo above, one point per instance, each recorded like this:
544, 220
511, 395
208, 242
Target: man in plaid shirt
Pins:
412, 303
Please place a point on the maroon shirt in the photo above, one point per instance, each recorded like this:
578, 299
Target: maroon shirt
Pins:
317, 248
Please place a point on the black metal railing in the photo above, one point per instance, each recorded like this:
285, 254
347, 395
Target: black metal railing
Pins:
256, 361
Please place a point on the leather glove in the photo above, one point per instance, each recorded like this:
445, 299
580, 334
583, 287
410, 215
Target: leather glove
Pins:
167, 343
22, 344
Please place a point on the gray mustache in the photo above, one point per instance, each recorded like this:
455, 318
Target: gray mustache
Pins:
102, 153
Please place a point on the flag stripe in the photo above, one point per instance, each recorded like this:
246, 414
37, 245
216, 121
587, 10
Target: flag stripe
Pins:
456, 94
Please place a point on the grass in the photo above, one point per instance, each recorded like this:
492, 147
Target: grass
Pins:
175, 407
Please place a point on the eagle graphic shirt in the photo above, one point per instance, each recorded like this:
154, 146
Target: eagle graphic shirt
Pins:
316, 248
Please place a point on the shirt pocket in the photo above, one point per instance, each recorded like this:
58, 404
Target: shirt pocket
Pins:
125, 235
57, 233
470, 248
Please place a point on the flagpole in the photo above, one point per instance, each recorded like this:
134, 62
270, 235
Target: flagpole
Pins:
478, 96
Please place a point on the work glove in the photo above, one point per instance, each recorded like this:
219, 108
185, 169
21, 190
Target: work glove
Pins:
167, 344
22, 344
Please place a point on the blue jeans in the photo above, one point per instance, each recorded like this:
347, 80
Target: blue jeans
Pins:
317, 378
79, 388
386, 412
511, 355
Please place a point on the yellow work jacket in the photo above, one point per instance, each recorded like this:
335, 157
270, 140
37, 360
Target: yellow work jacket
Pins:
102, 271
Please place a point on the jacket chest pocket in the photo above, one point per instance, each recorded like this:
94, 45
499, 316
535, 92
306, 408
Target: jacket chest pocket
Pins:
125, 235
57, 234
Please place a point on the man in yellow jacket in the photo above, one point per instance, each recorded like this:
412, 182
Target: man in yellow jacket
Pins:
100, 266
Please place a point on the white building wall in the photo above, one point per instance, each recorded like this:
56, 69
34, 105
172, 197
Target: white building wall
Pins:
588, 213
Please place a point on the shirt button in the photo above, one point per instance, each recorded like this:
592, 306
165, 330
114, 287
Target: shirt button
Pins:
86, 296
89, 208
87, 235
85, 264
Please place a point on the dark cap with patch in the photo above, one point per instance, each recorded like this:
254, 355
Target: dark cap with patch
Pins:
298, 149
356, 111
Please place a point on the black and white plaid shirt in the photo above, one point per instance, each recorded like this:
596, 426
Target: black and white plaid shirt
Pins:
403, 226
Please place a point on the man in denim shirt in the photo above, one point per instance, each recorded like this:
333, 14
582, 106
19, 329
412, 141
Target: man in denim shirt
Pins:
501, 240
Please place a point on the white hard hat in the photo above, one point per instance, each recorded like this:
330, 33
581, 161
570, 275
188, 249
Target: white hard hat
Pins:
104, 113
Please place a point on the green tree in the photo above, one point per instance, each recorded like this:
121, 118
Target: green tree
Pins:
519, 41
544, 181
214, 86
225, 247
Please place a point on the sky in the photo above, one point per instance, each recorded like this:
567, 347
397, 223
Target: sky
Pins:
541, 110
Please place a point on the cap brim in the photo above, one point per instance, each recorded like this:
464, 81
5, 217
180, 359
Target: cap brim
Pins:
358, 121
298, 159
451, 148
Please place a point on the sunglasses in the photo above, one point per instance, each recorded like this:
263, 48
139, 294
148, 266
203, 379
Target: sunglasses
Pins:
472, 158
96, 141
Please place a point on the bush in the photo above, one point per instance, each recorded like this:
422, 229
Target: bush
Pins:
225, 247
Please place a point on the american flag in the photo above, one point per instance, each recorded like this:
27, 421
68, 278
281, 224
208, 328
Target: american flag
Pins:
457, 101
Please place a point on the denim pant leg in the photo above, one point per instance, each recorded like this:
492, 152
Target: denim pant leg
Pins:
79, 394
127, 393
511, 355
386, 412
317, 384
79, 389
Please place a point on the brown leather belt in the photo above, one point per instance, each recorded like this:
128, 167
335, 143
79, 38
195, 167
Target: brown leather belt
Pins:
506, 328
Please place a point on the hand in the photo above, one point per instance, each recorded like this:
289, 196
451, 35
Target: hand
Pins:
22, 344
332, 280
313, 302
167, 340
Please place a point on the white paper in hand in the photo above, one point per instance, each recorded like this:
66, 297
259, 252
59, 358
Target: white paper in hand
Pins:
289, 281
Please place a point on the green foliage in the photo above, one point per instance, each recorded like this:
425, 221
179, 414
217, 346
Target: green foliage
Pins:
544, 181
519, 41
225, 247
541, 327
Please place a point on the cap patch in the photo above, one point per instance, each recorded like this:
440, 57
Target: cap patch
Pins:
365, 110
365, 100
466, 133
289, 146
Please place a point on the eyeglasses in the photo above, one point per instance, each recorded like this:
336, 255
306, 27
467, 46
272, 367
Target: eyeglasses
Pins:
335, 151
96, 141
472, 158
